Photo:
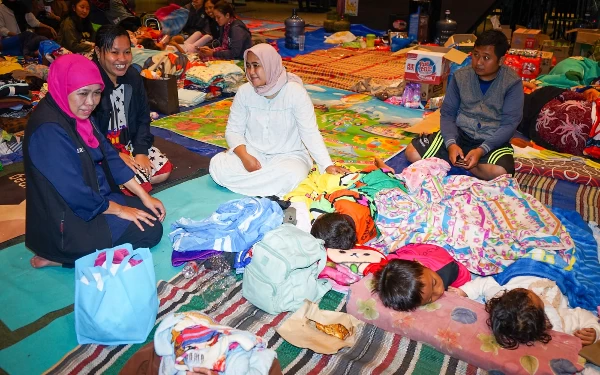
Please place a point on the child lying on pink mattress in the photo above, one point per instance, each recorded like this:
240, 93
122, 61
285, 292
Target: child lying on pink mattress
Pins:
526, 307
416, 275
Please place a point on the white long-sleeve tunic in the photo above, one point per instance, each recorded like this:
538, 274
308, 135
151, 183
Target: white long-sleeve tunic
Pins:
556, 305
282, 133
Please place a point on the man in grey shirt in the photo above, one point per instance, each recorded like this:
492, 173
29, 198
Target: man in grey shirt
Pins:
481, 111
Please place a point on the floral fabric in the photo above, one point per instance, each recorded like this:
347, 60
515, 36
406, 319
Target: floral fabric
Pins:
457, 326
485, 225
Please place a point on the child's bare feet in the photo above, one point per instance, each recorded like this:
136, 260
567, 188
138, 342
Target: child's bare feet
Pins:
381, 164
39, 262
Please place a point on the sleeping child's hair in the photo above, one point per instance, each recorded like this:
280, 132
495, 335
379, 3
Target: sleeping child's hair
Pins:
148, 43
399, 284
516, 318
337, 230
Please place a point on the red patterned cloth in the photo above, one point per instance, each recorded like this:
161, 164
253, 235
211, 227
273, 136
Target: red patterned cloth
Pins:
565, 123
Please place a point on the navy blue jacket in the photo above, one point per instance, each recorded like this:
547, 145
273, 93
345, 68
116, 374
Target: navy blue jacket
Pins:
138, 111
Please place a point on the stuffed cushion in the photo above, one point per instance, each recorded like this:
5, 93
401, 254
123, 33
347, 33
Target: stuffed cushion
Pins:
457, 326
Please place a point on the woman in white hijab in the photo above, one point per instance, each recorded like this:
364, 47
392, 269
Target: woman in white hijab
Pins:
272, 131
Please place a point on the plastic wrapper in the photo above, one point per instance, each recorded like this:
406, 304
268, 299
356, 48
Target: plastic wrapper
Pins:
300, 329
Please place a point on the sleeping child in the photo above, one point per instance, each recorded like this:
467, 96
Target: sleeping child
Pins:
526, 307
346, 217
416, 275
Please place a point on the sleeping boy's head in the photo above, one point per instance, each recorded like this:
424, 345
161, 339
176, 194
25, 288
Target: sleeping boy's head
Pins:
404, 285
337, 230
518, 317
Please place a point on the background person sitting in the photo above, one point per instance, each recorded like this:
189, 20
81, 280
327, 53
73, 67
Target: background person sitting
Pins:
50, 12
16, 17
234, 38
76, 32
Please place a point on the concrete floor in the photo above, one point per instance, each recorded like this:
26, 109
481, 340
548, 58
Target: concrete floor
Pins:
254, 9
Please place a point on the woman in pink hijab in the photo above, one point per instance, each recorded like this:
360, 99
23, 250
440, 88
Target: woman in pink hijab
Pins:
74, 204
272, 131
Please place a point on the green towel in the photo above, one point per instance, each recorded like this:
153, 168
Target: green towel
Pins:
570, 72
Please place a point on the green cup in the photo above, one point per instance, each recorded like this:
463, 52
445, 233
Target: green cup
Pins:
370, 40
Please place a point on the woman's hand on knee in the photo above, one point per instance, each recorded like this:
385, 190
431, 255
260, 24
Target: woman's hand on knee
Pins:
155, 206
251, 163
136, 216
129, 161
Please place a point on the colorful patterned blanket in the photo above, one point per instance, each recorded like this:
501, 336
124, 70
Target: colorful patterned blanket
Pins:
345, 68
341, 116
484, 225
376, 351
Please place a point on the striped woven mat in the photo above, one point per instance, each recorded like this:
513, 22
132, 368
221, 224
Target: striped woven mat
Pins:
344, 68
376, 351
563, 194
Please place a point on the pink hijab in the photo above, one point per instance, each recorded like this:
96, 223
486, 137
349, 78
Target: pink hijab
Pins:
276, 75
67, 74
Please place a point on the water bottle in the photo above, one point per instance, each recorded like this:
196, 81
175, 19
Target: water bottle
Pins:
294, 27
190, 269
445, 29
418, 24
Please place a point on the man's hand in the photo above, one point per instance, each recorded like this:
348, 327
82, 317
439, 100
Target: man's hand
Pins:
454, 153
473, 157
587, 336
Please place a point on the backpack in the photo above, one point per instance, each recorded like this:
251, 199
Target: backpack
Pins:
284, 270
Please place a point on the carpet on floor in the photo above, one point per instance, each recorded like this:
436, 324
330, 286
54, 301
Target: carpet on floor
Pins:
376, 351
342, 117
36, 314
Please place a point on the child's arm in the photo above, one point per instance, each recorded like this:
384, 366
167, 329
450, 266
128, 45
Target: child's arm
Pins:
581, 323
482, 286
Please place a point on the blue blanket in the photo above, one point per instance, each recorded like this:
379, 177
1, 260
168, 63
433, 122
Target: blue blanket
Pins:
582, 284
315, 40
234, 227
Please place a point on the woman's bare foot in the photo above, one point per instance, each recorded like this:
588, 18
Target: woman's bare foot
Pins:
39, 262
381, 164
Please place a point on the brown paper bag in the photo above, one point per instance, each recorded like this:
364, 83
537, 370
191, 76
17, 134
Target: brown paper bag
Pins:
299, 329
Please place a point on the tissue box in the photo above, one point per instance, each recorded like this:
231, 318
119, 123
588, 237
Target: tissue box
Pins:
431, 65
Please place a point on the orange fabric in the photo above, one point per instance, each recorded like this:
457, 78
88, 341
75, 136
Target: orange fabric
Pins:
365, 226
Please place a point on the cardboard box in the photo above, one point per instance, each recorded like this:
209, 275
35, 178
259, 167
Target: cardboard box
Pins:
546, 65
464, 42
429, 91
585, 38
427, 64
528, 39
560, 52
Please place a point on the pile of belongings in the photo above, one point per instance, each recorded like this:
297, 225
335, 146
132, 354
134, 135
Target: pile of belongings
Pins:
188, 98
223, 74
